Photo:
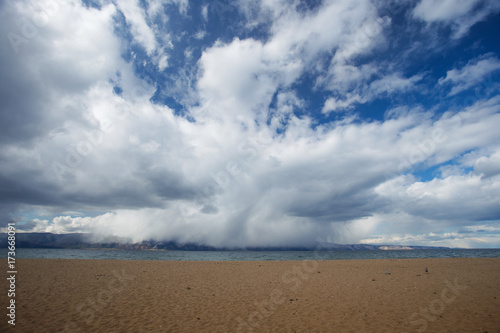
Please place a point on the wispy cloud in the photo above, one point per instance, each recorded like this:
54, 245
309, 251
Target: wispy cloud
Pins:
473, 73
460, 15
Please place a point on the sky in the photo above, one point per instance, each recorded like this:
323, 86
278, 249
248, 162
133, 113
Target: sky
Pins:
252, 122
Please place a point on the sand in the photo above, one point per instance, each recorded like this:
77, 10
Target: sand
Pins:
457, 295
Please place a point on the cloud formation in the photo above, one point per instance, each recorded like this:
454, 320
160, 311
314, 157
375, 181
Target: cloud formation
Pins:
254, 123
474, 73
459, 15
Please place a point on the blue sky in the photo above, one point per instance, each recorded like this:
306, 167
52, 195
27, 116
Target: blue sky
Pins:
253, 123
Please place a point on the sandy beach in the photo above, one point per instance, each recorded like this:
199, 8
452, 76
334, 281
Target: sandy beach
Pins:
456, 295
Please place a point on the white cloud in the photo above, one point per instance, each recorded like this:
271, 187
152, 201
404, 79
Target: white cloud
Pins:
344, 78
394, 82
335, 104
460, 14
296, 40
156, 8
200, 34
74, 49
317, 32
452, 240
204, 12
249, 92
183, 5
136, 17
445, 10
163, 63
155, 41
472, 74
457, 197
488, 166
494, 227
386, 85
307, 181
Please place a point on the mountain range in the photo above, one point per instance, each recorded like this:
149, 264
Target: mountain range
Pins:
89, 241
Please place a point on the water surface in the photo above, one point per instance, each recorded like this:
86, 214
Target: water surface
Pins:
249, 255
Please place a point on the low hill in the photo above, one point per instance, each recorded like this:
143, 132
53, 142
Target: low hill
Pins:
87, 241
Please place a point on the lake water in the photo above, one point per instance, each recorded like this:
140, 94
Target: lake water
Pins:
248, 255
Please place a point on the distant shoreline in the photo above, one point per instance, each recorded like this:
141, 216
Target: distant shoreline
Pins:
88, 241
